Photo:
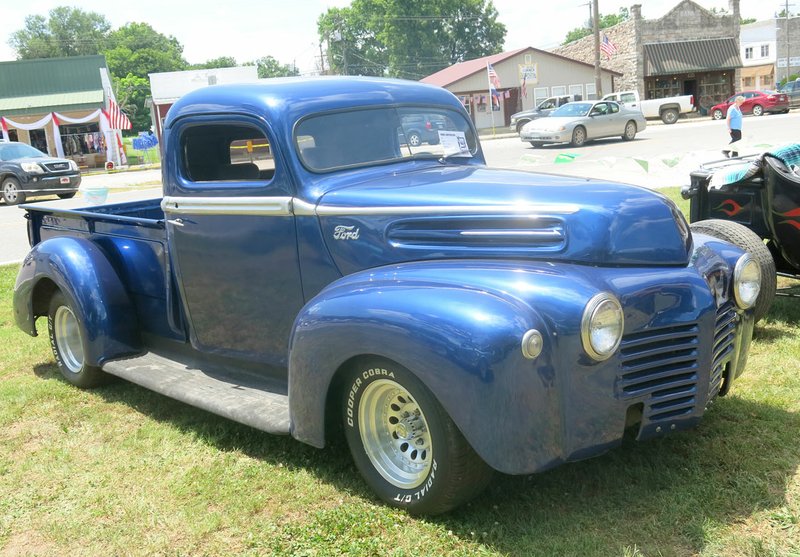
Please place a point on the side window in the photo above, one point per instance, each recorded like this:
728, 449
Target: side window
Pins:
628, 98
613, 108
226, 153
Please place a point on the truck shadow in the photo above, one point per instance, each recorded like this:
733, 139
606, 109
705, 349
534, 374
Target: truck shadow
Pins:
658, 496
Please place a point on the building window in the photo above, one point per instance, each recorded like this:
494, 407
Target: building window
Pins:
748, 82
748, 53
591, 92
576, 91
539, 94
764, 50
559, 90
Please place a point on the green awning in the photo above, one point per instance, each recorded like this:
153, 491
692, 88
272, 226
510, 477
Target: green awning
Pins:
691, 56
56, 102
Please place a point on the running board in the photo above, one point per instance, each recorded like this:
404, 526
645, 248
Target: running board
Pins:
246, 399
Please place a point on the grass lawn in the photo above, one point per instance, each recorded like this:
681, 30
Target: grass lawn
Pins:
122, 471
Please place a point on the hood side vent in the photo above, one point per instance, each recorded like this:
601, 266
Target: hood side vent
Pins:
513, 231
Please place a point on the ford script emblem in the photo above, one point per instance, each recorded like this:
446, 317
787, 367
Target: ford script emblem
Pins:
345, 233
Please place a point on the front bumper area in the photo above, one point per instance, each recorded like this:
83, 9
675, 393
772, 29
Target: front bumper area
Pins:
545, 137
45, 184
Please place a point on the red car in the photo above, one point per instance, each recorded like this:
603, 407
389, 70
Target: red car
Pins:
755, 103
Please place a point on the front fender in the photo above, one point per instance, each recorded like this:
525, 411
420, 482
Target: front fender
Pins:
79, 269
461, 340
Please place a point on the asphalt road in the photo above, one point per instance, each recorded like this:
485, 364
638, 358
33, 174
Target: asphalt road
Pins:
660, 156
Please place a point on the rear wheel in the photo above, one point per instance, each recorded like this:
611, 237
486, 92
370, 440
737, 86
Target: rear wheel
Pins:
578, 136
414, 139
746, 239
68, 341
758, 110
630, 131
404, 444
12, 194
669, 116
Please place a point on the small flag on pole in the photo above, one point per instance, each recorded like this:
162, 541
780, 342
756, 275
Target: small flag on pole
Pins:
116, 118
607, 47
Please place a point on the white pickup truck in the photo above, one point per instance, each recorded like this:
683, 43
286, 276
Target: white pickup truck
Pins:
668, 109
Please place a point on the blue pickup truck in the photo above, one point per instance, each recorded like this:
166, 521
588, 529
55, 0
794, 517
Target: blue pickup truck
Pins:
310, 271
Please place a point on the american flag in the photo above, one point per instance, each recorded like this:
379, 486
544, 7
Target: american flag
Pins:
607, 47
493, 79
116, 118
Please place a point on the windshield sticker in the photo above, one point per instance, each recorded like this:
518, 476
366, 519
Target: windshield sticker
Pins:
454, 143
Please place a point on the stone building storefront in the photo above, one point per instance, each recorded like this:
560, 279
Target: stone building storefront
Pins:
688, 51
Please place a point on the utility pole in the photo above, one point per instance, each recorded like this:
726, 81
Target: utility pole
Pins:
788, 64
598, 84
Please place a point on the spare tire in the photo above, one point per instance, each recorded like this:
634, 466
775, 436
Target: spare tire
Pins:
744, 238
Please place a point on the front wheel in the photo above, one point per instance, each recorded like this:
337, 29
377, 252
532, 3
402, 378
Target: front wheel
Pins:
67, 339
69, 195
717, 114
520, 125
404, 444
578, 136
669, 116
758, 110
744, 238
12, 194
536, 144
630, 131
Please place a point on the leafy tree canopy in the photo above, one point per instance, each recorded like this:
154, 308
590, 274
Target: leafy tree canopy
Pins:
270, 67
66, 32
221, 62
138, 49
408, 39
604, 22
131, 93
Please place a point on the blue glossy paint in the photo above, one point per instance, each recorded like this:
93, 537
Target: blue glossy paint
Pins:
85, 276
440, 269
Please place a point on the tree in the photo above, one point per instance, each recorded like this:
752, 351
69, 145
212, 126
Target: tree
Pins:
131, 93
604, 22
66, 32
138, 49
411, 40
221, 62
270, 67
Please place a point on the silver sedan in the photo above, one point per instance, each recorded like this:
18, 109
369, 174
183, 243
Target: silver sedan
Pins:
577, 122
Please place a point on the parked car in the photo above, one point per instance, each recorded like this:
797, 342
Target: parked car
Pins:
792, 90
27, 172
753, 202
577, 122
454, 319
422, 128
667, 109
543, 109
755, 103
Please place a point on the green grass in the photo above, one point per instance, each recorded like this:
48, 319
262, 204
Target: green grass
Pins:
122, 471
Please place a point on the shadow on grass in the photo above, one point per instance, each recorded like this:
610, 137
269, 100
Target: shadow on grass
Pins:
661, 496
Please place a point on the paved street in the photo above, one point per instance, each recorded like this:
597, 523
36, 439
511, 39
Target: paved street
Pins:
661, 156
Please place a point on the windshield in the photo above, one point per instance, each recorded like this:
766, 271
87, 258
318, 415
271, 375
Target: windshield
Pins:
363, 137
11, 151
572, 109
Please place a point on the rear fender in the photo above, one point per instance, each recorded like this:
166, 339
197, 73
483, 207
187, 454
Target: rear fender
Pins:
82, 272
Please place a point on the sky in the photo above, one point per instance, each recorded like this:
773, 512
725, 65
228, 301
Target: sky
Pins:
287, 31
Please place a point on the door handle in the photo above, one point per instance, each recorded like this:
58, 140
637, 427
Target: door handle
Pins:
176, 222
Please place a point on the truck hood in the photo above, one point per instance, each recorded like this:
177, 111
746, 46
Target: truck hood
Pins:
468, 212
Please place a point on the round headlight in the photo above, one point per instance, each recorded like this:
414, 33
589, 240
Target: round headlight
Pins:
746, 282
601, 326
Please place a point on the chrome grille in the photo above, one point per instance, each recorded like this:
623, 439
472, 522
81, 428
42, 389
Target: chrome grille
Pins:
724, 337
660, 366
56, 166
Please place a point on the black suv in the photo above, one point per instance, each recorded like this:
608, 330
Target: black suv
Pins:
27, 172
792, 90
422, 128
